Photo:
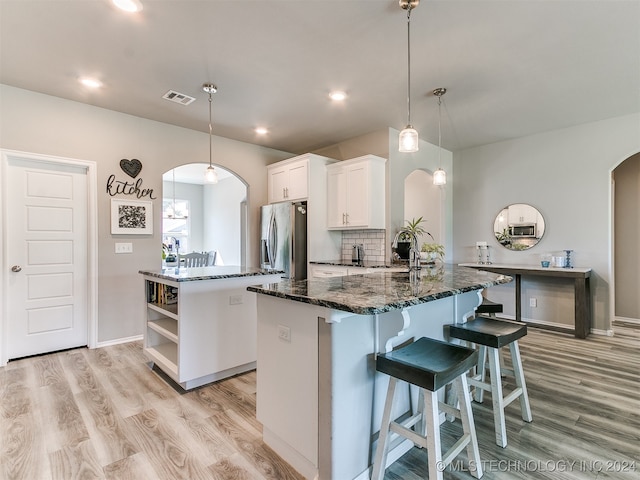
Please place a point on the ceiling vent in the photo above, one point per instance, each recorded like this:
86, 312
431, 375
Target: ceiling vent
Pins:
177, 97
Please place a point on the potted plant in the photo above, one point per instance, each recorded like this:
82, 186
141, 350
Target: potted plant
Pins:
430, 252
504, 237
412, 230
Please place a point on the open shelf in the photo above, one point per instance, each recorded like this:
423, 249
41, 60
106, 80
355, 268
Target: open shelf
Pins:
170, 310
166, 356
167, 327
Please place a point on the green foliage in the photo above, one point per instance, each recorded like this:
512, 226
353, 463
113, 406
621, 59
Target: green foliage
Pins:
433, 248
413, 227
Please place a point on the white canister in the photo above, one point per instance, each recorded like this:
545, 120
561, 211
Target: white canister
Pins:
558, 261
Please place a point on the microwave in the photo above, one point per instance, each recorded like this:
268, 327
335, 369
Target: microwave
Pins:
523, 230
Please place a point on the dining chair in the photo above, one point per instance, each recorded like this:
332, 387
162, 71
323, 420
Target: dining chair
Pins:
194, 259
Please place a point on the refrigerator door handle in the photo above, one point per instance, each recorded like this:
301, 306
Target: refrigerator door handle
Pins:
272, 241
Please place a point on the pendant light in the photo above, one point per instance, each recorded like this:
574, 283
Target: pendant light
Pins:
210, 175
408, 139
439, 176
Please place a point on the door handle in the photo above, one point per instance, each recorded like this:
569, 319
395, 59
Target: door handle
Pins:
16, 268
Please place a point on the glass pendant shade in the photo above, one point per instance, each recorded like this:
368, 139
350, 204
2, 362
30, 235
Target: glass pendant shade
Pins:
440, 177
210, 175
408, 140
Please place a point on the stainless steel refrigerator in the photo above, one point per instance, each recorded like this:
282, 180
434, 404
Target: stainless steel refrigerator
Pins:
283, 241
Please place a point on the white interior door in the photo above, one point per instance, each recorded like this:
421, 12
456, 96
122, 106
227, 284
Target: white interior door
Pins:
46, 240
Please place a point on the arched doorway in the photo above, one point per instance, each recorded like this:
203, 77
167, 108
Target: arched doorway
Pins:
205, 217
423, 199
626, 238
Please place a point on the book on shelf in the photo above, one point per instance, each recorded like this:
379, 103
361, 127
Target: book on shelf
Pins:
162, 294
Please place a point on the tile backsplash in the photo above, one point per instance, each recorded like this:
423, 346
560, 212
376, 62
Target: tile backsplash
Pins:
373, 241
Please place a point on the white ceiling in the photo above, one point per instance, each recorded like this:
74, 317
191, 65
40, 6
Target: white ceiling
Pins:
511, 67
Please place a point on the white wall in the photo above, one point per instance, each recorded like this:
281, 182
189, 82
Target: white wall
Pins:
194, 194
223, 228
37, 123
566, 174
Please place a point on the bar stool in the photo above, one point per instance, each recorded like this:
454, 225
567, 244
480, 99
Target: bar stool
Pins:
430, 365
489, 307
490, 335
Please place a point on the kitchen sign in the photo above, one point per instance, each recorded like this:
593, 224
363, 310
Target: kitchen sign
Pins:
132, 168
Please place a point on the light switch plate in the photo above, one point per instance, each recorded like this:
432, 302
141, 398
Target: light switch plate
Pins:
124, 247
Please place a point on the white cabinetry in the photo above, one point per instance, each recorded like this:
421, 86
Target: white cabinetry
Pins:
520, 213
203, 330
356, 194
305, 178
289, 180
327, 271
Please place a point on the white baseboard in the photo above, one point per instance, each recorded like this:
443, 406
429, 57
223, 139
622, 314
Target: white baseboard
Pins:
606, 333
118, 341
627, 320
594, 331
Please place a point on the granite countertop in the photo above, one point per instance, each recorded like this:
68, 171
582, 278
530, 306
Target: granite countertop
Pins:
182, 274
382, 291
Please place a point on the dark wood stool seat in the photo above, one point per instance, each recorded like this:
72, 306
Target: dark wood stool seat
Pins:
490, 335
489, 331
487, 306
427, 363
430, 365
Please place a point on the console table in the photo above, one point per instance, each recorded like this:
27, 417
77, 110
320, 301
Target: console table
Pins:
582, 288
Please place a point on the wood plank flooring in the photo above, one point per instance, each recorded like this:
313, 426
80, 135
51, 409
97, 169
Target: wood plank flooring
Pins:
103, 414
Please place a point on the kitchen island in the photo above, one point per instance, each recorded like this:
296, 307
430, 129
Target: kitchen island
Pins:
319, 397
200, 323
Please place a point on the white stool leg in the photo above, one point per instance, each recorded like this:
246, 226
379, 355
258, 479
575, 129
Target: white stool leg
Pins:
434, 447
468, 426
383, 438
481, 372
518, 373
497, 397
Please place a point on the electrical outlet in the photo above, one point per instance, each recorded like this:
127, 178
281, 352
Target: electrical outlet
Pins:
533, 302
284, 333
235, 299
124, 247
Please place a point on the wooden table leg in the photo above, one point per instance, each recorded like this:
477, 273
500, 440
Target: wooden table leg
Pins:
582, 307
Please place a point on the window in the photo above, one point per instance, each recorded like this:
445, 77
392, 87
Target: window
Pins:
175, 223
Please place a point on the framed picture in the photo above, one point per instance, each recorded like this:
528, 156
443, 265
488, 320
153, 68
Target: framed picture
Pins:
131, 217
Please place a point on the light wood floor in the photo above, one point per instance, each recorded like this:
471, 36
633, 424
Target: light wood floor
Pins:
104, 414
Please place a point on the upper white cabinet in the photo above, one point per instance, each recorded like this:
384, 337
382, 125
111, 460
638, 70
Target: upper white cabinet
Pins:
356, 193
289, 180
522, 213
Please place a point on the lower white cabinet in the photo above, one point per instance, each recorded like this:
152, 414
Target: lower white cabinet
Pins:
203, 330
326, 271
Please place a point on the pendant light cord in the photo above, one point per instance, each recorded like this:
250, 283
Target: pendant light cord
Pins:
210, 131
409, 65
439, 131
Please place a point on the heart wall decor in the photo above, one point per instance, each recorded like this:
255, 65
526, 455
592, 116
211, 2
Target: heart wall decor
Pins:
131, 167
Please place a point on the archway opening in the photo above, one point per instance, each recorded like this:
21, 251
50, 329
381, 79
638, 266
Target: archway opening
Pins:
205, 217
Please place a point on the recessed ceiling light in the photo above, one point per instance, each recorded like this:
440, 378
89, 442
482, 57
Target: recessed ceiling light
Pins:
90, 82
261, 131
131, 6
337, 96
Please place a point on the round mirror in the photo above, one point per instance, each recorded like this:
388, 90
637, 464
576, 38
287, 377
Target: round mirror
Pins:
518, 226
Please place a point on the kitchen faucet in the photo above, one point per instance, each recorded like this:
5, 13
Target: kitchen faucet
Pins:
414, 253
